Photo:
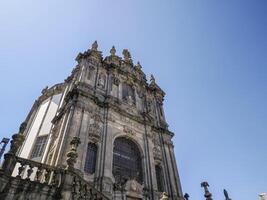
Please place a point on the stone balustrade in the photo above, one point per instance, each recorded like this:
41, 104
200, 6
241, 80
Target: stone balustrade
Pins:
40, 181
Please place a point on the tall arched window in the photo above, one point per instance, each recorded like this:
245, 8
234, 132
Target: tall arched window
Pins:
159, 178
127, 162
90, 161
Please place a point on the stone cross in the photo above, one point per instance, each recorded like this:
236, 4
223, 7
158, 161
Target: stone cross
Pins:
207, 194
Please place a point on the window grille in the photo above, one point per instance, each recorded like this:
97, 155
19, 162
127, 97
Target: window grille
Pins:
90, 161
159, 178
127, 163
39, 146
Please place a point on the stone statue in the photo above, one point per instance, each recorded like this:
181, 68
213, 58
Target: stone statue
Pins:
207, 194
102, 81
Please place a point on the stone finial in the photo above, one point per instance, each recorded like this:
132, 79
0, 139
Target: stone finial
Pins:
72, 154
113, 51
164, 196
152, 79
94, 46
126, 55
226, 195
138, 66
207, 194
186, 196
17, 139
44, 90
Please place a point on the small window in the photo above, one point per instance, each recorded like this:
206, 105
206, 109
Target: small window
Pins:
159, 178
90, 161
39, 146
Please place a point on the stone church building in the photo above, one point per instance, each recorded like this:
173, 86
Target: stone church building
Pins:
101, 134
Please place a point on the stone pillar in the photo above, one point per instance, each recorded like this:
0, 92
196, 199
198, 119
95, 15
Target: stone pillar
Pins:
10, 157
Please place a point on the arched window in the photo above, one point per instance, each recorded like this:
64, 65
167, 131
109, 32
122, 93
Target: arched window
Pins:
90, 161
127, 163
159, 178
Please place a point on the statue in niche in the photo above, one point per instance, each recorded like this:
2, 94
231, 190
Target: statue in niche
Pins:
90, 73
102, 81
128, 94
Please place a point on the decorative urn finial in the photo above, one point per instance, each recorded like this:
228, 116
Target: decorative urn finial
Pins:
94, 46
113, 51
207, 194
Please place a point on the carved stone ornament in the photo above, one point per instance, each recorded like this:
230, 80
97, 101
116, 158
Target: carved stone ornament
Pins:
113, 51
72, 154
164, 196
45, 90
126, 55
94, 129
94, 46
128, 130
157, 153
134, 189
102, 81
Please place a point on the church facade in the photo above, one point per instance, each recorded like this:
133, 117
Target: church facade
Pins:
106, 123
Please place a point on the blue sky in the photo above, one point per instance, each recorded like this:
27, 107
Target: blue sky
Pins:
209, 56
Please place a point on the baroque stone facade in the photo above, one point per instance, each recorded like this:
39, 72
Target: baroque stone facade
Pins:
103, 128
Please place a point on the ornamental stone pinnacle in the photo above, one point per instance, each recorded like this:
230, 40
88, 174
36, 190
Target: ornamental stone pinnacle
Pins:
152, 79
94, 46
113, 51
126, 55
207, 194
138, 66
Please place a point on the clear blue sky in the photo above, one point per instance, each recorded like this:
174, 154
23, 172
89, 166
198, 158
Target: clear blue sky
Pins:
210, 56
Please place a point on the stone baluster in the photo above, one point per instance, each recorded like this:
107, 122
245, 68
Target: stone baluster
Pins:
47, 176
10, 157
21, 169
39, 173
207, 194
29, 171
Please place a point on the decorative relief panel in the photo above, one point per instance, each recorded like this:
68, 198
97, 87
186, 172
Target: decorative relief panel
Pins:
95, 128
102, 81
